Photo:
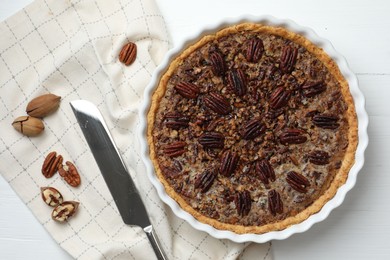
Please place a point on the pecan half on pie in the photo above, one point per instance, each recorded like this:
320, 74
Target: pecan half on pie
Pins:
252, 129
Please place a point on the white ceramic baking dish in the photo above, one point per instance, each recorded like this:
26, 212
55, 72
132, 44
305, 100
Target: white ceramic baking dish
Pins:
342, 191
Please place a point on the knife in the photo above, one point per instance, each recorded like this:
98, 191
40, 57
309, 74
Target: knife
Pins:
113, 169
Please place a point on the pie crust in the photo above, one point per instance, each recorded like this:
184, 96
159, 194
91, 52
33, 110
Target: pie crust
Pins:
298, 203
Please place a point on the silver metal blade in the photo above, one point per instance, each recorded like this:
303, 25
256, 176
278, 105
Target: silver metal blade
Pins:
110, 163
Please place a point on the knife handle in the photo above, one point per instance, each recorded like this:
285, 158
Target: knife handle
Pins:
155, 243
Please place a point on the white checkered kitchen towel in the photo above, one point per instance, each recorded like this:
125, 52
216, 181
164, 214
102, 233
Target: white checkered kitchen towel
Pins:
70, 48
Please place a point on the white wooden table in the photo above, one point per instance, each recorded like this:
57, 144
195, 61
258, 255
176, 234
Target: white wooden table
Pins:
360, 30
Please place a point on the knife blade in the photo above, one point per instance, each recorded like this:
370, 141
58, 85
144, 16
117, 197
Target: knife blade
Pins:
114, 171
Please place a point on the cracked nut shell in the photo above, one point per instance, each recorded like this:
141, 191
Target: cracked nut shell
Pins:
51, 196
28, 125
64, 211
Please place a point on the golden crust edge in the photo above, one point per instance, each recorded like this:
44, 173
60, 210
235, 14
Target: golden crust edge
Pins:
340, 177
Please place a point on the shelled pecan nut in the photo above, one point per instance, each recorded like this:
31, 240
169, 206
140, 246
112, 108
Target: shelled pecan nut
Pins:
279, 97
64, 211
218, 63
175, 149
187, 90
243, 202
253, 129
217, 103
176, 120
51, 164
212, 140
314, 88
204, 180
275, 204
254, 50
319, 157
326, 121
237, 81
229, 162
170, 172
272, 114
70, 174
273, 73
214, 124
292, 136
265, 171
128, 53
312, 113
288, 59
297, 181
51, 196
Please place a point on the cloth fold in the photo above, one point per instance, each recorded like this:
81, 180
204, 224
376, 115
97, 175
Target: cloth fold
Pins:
70, 48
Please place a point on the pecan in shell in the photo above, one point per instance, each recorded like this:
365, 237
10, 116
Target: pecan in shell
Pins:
243, 202
43, 105
319, 157
288, 59
51, 164
51, 196
229, 162
64, 211
205, 180
175, 149
237, 82
212, 140
217, 103
279, 98
253, 129
188, 90
254, 50
28, 125
326, 121
292, 136
297, 181
275, 204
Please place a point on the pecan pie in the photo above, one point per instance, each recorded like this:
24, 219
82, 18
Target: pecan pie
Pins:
252, 129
